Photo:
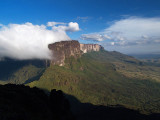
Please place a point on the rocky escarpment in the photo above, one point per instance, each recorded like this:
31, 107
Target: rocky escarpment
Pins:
90, 47
65, 49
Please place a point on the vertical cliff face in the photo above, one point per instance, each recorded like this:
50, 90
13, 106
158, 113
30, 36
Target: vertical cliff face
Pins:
65, 49
90, 47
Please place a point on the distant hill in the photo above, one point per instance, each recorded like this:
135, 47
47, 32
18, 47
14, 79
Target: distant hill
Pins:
150, 59
20, 71
147, 56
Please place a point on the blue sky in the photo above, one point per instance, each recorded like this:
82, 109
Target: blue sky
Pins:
95, 19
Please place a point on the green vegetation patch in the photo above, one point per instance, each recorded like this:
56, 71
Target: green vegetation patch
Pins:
93, 78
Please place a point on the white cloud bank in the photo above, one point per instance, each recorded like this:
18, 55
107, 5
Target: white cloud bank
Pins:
95, 37
131, 31
28, 41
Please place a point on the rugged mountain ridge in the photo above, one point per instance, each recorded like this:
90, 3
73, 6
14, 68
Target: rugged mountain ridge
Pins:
65, 49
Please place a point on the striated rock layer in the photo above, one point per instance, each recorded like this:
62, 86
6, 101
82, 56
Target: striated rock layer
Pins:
65, 49
90, 47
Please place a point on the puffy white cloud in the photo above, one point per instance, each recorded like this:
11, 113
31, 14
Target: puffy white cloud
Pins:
128, 30
72, 27
135, 29
28, 41
132, 31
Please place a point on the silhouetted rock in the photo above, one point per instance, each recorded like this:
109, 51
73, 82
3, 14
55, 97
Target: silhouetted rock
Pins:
19, 102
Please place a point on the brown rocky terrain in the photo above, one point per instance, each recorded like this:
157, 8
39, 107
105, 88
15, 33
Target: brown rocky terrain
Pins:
65, 49
90, 47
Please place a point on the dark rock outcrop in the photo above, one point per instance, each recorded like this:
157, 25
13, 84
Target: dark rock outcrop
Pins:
19, 102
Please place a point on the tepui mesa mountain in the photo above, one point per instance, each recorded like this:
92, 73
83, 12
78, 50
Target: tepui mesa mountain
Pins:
65, 49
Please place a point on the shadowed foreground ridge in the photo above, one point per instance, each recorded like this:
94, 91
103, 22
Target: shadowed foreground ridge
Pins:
19, 102
87, 111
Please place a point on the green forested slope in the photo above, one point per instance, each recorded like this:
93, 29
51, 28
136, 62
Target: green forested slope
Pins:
20, 72
94, 78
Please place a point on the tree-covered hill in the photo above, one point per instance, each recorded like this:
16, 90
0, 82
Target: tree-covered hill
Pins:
98, 78
20, 71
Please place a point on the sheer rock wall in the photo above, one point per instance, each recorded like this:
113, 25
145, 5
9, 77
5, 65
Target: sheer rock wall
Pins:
65, 49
